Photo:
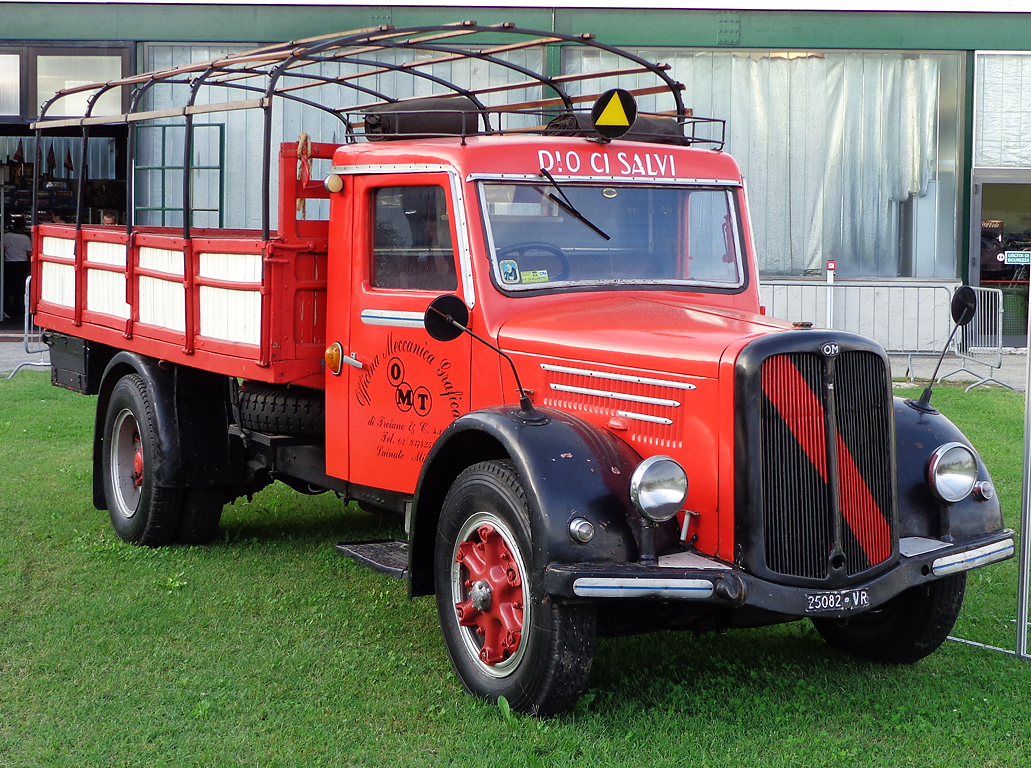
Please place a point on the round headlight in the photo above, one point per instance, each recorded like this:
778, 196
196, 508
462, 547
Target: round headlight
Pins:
952, 472
658, 488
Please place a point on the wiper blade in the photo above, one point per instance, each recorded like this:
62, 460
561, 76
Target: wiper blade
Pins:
566, 205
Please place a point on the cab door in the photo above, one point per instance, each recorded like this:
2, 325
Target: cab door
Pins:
410, 387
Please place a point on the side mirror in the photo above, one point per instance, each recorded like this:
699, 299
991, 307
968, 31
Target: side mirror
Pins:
964, 305
446, 318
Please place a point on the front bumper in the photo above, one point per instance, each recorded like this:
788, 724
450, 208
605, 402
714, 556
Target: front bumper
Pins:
689, 576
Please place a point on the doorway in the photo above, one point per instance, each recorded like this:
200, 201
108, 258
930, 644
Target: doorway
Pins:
1001, 244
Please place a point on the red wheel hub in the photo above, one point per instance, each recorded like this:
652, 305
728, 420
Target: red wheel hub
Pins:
137, 464
495, 602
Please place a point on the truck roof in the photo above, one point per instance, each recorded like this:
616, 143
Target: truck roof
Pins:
569, 158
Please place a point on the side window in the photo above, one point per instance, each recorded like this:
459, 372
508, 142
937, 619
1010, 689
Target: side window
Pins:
412, 239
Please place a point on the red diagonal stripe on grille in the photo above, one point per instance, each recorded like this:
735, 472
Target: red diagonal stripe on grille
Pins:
800, 409
860, 508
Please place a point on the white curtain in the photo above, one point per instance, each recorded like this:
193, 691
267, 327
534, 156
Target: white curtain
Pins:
834, 146
1002, 111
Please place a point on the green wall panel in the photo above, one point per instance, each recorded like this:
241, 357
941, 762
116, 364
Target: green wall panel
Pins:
803, 30
704, 29
97, 21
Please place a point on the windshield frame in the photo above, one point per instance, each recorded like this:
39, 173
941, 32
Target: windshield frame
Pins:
728, 187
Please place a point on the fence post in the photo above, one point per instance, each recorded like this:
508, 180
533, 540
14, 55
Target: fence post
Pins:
831, 268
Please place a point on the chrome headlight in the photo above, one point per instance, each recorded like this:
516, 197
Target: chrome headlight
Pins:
952, 472
658, 488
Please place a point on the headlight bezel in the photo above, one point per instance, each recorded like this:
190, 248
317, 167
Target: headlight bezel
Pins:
657, 469
959, 483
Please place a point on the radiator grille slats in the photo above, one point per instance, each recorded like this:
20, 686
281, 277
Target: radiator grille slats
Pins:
807, 465
864, 450
796, 499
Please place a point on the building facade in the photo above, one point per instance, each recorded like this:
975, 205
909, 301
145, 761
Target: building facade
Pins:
890, 144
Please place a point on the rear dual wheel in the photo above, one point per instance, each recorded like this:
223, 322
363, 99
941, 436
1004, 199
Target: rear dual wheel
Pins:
141, 511
503, 637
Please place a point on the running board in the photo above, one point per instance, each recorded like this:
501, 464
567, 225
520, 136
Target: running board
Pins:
386, 556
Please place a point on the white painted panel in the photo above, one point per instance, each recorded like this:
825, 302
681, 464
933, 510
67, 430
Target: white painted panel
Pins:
106, 253
162, 260
162, 303
58, 247
105, 292
58, 284
238, 267
230, 315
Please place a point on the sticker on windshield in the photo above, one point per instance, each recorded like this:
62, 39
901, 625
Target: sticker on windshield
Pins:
509, 272
535, 276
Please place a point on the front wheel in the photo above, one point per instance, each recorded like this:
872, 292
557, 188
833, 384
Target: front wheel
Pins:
503, 637
905, 629
141, 512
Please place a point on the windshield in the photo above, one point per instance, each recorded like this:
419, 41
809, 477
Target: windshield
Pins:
544, 235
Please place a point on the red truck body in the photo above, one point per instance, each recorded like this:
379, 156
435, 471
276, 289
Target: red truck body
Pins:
544, 348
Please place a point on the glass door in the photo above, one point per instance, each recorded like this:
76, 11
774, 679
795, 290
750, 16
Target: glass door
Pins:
1001, 247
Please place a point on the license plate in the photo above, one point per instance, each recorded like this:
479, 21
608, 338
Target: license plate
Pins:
841, 600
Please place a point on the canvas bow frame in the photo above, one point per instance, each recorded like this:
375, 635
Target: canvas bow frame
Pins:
288, 71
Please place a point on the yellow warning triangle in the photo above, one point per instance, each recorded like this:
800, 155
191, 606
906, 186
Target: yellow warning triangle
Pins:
613, 114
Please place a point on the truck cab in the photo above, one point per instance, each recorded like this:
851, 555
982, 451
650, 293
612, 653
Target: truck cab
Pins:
542, 346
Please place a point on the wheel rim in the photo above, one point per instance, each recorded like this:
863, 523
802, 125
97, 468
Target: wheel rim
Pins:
490, 593
126, 464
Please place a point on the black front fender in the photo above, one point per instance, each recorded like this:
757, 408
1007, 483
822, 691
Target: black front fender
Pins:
569, 468
921, 513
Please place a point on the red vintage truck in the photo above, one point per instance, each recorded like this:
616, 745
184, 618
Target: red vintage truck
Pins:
533, 331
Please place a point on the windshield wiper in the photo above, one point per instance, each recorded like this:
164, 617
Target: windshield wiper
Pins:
566, 205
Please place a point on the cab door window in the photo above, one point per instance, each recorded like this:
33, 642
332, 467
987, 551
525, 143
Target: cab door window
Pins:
412, 246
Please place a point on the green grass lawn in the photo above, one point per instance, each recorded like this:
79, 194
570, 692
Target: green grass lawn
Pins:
268, 649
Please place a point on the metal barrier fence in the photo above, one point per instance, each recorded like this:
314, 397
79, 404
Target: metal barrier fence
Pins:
981, 341
905, 318
31, 335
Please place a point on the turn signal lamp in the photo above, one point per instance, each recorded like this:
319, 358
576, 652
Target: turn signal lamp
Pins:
334, 358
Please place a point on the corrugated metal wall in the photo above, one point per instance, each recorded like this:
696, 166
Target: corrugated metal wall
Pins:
241, 204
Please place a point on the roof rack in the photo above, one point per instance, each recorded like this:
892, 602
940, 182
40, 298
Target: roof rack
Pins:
350, 65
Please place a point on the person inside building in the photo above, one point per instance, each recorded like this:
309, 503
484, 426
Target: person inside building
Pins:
17, 247
110, 217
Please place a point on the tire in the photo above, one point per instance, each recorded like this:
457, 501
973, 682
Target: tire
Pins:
502, 636
905, 629
141, 513
201, 513
280, 410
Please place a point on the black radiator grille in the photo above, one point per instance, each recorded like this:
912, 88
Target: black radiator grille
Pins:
826, 482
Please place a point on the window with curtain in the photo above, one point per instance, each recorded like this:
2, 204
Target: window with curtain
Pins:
850, 156
10, 84
57, 72
1002, 109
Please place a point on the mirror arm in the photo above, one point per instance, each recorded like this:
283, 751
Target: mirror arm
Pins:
526, 409
964, 307
924, 403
